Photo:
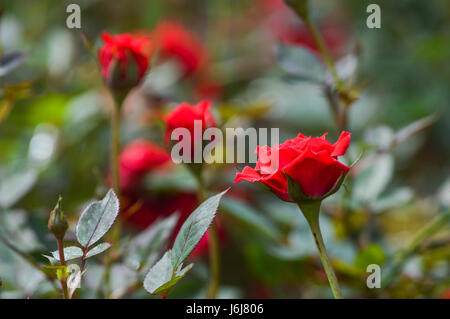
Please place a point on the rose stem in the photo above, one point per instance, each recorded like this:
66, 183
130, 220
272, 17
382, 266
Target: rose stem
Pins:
118, 98
62, 262
325, 52
214, 261
311, 213
114, 159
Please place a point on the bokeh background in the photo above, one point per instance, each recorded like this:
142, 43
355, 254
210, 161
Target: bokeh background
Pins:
260, 66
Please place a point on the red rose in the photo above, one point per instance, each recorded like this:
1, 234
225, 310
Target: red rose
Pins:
138, 158
124, 59
310, 162
174, 41
184, 116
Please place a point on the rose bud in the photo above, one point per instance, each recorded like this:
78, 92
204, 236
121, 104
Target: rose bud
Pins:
57, 223
124, 59
138, 158
310, 165
175, 42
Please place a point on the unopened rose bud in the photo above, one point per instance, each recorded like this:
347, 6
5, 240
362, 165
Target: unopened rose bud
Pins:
57, 223
124, 59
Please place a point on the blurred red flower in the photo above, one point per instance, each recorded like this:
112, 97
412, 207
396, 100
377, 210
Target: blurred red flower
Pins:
311, 162
142, 211
124, 59
208, 89
176, 42
138, 158
184, 115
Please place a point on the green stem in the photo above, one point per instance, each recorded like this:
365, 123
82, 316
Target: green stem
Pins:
62, 262
403, 256
325, 53
118, 99
339, 112
213, 261
108, 279
115, 140
311, 213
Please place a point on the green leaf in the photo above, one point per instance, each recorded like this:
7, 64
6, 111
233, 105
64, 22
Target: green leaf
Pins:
10, 61
53, 261
163, 275
194, 228
70, 253
160, 274
97, 219
98, 249
15, 185
250, 217
74, 252
180, 273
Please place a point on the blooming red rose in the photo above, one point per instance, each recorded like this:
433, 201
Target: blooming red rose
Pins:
175, 41
312, 163
138, 158
124, 59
